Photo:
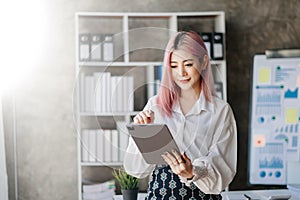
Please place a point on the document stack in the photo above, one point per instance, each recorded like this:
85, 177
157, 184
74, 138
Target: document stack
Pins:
98, 191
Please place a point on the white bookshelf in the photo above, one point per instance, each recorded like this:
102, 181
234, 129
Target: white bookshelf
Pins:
139, 41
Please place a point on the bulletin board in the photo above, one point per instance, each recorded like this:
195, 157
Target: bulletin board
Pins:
274, 118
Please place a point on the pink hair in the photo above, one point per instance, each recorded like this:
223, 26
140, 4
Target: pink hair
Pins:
169, 92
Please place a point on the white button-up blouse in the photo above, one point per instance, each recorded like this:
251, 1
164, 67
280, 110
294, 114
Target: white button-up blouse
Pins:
208, 136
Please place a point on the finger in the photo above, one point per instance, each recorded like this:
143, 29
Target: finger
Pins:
171, 158
136, 120
178, 156
144, 117
149, 113
186, 158
139, 119
167, 159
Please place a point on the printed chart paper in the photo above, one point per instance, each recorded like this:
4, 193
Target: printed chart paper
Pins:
275, 118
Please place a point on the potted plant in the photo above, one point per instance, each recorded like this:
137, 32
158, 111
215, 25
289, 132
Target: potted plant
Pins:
129, 184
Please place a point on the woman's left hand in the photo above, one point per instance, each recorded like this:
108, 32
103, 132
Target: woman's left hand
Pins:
180, 164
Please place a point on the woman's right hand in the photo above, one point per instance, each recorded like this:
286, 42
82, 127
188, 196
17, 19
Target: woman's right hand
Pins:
144, 117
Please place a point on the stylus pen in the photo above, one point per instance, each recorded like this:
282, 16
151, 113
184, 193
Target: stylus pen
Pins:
248, 197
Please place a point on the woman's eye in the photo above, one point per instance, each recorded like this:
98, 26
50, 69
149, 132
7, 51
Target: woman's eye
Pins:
189, 64
173, 66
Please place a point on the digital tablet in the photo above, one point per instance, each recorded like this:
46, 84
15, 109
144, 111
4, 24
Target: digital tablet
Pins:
152, 140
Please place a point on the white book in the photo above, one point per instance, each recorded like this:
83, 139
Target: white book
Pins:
123, 137
108, 92
100, 145
150, 80
92, 145
84, 145
105, 91
86, 94
89, 186
130, 93
89, 94
98, 88
99, 195
115, 146
120, 96
81, 91
125, 93
107, 145
113, 104
93, 94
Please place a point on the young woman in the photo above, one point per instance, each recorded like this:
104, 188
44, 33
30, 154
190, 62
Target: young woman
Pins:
202, 125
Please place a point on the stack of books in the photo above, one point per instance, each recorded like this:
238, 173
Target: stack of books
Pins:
104, 145
98, 191
101, 92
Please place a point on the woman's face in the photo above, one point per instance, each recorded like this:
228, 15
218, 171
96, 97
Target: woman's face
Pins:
185, 69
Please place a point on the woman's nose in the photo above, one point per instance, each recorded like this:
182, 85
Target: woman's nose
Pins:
182, 71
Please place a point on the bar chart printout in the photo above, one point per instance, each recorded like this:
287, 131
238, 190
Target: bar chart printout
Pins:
274, 119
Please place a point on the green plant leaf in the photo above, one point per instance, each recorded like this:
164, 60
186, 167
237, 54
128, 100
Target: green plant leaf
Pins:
126, 181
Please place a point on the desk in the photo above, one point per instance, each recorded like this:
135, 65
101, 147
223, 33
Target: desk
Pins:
234, 195
256, 194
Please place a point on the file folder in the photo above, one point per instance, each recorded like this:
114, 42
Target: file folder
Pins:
84, 47
96, 49
218, 46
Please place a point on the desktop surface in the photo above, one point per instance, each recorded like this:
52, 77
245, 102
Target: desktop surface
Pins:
240, 195
259, 195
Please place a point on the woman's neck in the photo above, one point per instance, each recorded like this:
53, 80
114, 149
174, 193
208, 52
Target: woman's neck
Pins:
192, 94
188, 99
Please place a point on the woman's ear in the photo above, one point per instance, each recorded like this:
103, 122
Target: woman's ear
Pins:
205, 62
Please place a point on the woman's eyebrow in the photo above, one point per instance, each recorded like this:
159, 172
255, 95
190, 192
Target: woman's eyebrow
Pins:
173, 61
188, 60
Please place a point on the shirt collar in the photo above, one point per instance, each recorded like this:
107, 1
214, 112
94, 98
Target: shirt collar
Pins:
201, 104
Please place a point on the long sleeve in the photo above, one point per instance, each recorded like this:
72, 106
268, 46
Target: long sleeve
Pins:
215, 171
134, 163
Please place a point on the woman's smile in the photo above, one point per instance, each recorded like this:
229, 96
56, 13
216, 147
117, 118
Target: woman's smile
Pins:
185, 80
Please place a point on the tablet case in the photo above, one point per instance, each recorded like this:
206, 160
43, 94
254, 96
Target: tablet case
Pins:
152, 140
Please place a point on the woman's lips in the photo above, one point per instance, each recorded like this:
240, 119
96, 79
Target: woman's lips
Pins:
185, 80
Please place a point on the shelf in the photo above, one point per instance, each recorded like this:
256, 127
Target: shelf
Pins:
139, 41
91, 164
126, 64
117, 64
151, 14
109, 114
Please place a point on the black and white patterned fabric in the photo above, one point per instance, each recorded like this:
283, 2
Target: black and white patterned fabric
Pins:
165, 185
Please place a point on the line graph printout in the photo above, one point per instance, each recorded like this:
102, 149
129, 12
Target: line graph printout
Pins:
275, 118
